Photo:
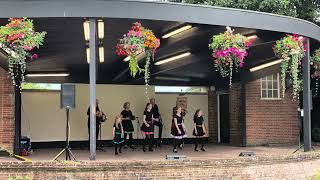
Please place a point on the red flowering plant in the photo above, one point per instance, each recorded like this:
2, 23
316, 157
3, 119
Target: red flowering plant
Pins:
18, 38
291, 50
229, 51
138, 40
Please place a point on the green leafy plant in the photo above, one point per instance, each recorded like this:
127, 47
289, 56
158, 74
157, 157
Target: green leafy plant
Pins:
19, 178
18, 39
291, 50
138, 40
229, 51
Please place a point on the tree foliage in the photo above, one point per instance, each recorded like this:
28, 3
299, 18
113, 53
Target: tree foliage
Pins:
304, 9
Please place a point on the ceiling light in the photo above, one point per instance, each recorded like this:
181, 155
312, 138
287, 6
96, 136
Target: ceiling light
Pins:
262, 66
100, 29
177, 31
139, 57
252, 37
172, 79
173, 58
86, 30
88, 55
48, 75
101, 54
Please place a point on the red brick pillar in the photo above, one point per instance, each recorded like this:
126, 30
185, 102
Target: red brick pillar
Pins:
235, 104
212, 116
6, 111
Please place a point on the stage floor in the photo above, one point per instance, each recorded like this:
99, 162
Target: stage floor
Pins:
212, 152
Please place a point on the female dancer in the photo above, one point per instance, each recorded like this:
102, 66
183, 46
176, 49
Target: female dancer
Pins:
199, 129
127, 118
178, 129
117, 134
148, 127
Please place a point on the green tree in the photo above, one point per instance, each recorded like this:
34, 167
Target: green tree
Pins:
304, 9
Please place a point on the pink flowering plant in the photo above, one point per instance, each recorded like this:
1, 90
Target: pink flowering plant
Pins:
138, 40
18, 38
291, 50
229, 51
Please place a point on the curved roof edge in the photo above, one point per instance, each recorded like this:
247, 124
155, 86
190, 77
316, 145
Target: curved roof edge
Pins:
200, 14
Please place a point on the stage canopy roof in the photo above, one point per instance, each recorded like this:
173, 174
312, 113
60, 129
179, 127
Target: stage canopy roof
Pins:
64, 49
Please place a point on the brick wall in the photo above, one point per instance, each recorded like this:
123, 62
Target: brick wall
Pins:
6, 111
234, 115
270, 121
212, 117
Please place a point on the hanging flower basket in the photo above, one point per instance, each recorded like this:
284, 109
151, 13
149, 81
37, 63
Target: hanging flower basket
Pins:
18, 39
229, 51
315, 62
138, 40
291, 50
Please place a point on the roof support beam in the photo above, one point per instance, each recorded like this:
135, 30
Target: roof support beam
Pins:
92, 87
306, 99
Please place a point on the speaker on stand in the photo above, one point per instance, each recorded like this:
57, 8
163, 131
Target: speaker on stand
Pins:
67, 101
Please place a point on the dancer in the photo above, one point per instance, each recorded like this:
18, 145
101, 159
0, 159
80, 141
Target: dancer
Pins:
127, 119
148, 127
100, 117
117, 135
157, 120
178, 129
199, 129
183, 114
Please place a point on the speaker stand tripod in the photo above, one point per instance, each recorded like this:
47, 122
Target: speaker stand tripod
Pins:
67, 149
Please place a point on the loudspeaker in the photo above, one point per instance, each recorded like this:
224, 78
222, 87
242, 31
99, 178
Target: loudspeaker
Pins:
67, 96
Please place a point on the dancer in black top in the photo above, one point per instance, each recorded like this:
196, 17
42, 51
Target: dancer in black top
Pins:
183, 114
148, 127
157, 120
100, 117
199, 129
178, 129
128, 129
117, 135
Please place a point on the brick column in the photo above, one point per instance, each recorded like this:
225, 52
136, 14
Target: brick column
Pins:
235, 114
6, 111
212, 116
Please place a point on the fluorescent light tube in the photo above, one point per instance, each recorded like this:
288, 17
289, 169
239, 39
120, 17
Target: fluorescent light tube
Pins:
100, 29
88, 55
86, 30
177, 31
262, 66
173, 58
48, 75
101, 54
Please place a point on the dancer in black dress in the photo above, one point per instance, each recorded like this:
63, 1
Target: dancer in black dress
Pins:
148, 127
199, 129
178, 129
117, 135
127, 119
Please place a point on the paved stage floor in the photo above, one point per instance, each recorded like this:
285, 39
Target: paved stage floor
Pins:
212, 152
